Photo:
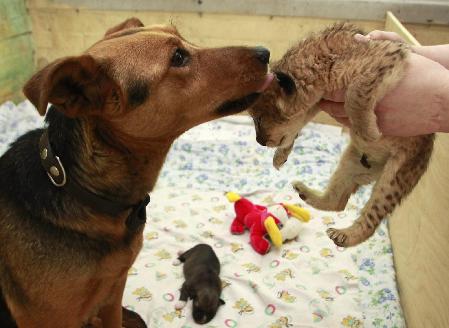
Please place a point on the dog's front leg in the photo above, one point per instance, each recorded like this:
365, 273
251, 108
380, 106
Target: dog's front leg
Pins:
111, 314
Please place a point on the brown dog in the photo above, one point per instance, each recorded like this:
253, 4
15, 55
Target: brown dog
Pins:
73, 196
324, 63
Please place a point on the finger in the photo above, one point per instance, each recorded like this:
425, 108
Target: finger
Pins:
336, 96
361, 38
334, 109
384, 35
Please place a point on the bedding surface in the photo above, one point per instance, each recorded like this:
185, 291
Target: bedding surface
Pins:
309, 282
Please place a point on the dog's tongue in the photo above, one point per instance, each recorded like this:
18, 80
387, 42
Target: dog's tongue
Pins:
268, 79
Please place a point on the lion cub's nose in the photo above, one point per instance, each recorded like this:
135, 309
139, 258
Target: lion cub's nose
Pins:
262, 140
263, 54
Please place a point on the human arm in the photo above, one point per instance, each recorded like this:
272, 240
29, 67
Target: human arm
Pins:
438, 53
419, 104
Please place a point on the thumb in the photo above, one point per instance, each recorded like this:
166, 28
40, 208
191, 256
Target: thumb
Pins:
362, 38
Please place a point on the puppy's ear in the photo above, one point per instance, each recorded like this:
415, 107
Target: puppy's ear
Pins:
222, 302
132, 22
286, 83
74, 85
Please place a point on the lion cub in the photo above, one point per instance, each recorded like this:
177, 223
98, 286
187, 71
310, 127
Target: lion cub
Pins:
323, 63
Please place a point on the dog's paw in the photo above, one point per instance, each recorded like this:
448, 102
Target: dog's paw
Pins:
179, 305
176, 262
301, 189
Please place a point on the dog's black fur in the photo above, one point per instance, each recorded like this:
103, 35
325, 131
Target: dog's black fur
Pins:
202, 282
37, 207
6, 321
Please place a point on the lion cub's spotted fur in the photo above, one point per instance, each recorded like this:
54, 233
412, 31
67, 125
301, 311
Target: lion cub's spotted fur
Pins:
330, 61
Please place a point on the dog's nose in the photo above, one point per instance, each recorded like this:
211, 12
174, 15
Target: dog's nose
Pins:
263, 54
261, 140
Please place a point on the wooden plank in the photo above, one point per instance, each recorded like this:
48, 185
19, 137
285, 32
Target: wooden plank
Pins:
429, 34
58, 32
394, 25
419, 230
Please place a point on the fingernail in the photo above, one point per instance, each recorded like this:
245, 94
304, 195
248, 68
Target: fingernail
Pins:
361, 38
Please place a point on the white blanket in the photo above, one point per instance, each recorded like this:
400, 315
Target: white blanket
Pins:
307, 283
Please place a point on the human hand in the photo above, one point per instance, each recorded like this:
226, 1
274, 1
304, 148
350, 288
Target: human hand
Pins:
416, 106
438, 53
379, 35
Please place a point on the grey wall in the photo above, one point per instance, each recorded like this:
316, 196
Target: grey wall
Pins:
416, 11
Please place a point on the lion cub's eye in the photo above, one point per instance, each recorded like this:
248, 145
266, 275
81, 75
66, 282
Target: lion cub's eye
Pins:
180, 58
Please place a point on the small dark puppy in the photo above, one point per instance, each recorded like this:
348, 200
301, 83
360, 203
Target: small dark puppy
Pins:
202, 282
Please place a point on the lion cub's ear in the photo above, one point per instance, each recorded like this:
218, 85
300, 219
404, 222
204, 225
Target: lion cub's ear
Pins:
287, 89
286, 83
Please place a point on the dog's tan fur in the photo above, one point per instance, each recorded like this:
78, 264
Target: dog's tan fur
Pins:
129, 103
331, 61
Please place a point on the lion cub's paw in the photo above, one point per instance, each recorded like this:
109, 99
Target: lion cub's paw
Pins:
301, 189
343, 237
280, 157
368, 134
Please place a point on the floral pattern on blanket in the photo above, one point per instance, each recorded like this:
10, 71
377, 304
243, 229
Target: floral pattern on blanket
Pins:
308, 282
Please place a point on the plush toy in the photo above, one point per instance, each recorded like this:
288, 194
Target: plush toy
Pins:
261, 221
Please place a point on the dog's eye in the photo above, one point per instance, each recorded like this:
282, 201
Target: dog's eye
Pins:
180, 58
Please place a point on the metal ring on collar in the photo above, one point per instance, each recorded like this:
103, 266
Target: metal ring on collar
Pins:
64, 178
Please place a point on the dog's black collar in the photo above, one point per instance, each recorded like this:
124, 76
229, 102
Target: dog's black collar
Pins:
58, 177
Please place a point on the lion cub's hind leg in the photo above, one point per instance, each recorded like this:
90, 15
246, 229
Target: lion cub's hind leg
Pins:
372, 81
394, 183
359, 105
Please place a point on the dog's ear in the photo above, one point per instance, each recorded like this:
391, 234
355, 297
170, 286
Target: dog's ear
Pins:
74, 85
286, 83
222, 302
129, 23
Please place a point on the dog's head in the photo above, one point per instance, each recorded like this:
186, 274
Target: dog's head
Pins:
276, 119
205, 304
149, 84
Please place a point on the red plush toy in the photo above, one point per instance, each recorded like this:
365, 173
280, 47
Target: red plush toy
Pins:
256, 219
281, 222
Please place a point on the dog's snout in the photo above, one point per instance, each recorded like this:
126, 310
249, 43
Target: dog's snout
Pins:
263, 54
261, 140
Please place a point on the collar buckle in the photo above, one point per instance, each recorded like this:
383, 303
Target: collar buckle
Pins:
54, 171
58, 177
51, 163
